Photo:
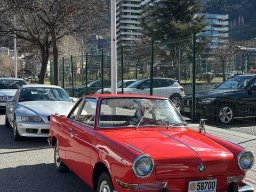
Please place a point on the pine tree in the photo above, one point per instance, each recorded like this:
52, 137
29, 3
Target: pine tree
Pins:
168, 20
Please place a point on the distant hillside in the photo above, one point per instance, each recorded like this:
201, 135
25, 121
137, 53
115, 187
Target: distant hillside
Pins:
242, 15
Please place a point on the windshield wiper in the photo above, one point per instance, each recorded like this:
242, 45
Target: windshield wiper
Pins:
143, 117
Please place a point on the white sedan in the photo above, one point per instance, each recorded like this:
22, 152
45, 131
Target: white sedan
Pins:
29, 111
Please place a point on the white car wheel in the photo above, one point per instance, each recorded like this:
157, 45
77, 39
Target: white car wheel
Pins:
59, 165
176, 99
105, 183
226, 115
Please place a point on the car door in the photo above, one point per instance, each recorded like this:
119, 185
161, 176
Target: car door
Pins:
144, 88
63, 134
81, 136
160, 88
249, 100
10, 110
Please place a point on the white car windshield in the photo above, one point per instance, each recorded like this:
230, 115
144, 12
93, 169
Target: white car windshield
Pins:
43, 94
138, 112
11, 83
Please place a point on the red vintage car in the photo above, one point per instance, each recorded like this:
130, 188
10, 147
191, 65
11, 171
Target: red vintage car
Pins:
141, 143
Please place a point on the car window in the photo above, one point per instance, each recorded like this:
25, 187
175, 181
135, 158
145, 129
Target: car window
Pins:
144, 85
136, 84
11, 83
168, 82
75, 111
253, 86
94, 84
86, 112
158, 83
107, 83
236, 82
43, 94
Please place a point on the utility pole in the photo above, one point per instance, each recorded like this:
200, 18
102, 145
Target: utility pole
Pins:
15, 51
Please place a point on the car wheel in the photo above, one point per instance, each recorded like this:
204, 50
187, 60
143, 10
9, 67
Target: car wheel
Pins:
176, 99
16, 135
105, 183
7, 123
226, 114
59, 165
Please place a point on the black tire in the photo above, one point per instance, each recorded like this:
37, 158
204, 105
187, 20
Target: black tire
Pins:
7, 123
105, 183
176, 99
225, 114
16, 135
59, 165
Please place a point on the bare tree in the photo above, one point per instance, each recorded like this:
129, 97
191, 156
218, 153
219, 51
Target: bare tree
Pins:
69, 45
224, 54
43, 22
7, 67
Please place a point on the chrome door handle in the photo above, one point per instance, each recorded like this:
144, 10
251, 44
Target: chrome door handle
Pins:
70, 128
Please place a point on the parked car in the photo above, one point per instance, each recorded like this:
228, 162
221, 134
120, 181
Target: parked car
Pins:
209, 76
164, 87
233, 99
29, 111
91, 87
8, 88
125, 84
141, 143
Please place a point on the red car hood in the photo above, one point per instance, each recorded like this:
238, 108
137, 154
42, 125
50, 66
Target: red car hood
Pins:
178, 152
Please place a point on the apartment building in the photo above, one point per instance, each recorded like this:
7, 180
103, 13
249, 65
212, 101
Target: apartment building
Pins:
128, 27
216, 29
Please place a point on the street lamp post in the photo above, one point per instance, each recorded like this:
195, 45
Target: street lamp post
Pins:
15, 52
15, 58
113, 48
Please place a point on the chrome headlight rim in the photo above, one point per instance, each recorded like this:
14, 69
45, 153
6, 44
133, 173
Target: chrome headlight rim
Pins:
137, 159
3, 98
239, 158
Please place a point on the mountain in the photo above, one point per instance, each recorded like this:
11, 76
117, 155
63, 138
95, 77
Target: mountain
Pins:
242, 15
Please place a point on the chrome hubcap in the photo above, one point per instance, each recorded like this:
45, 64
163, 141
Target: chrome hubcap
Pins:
226, 115
104, 187
176, 101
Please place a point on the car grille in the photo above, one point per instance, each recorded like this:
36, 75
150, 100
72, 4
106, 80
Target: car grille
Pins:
187, 102
45, 131
31, 130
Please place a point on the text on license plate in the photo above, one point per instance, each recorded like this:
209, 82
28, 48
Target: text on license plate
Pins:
203, 186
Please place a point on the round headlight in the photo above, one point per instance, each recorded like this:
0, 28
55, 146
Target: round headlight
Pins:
245, 160
143, 166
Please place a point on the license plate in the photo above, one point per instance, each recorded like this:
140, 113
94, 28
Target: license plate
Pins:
186, 109
202, 186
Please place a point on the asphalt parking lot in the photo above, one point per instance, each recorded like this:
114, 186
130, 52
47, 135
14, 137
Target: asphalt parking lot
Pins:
28, 165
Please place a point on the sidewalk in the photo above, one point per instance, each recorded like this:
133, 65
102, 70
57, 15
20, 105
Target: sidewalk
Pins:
245, 140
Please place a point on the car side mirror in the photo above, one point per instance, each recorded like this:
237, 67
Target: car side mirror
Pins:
201, 128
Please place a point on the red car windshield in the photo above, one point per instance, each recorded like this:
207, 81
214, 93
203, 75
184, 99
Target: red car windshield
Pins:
138, 112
